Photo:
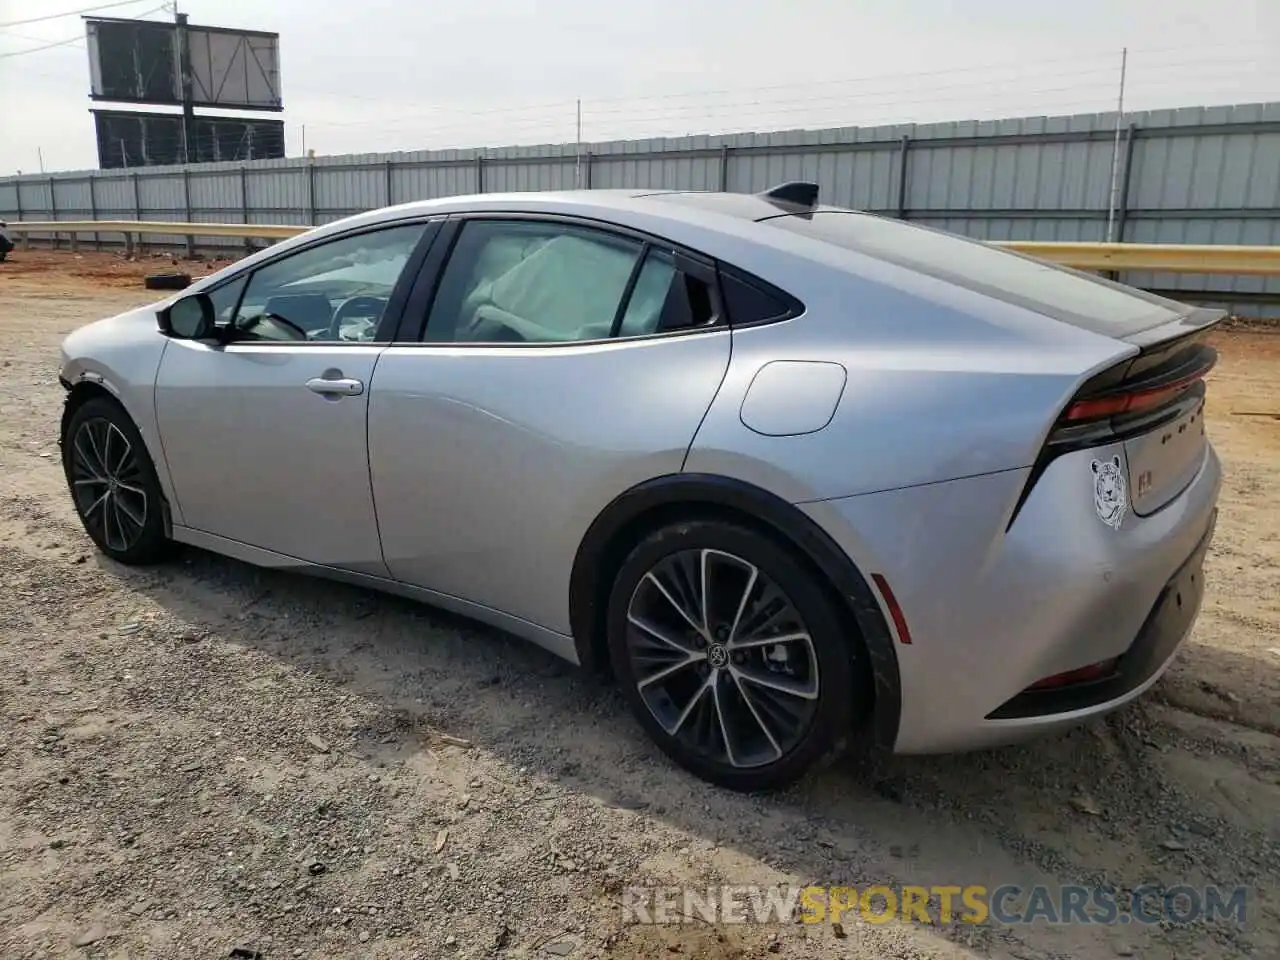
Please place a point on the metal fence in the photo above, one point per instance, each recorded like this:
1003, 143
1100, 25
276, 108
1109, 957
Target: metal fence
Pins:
1196, 175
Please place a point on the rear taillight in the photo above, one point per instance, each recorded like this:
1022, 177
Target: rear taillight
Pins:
1138, 398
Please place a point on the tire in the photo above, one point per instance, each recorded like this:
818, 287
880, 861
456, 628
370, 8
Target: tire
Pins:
815, 714
167, 281
94, 433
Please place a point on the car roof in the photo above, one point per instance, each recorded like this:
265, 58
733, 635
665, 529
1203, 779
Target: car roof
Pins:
722, 225
739, 206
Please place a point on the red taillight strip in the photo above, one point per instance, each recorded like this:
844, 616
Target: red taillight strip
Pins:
895, 611
1133, 401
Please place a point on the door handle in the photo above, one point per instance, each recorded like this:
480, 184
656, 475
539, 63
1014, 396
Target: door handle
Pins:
343, 387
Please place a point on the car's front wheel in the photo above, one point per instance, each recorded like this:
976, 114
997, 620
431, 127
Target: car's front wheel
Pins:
732, 656
113, 483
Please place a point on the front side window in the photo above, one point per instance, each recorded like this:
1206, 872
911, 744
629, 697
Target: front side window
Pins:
533, 282
225, 298
333, 292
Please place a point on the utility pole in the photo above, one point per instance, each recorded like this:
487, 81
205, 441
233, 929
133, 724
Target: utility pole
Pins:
1115, 152
184, 72
577, 152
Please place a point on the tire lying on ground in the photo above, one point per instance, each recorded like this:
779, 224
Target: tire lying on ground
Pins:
167, 281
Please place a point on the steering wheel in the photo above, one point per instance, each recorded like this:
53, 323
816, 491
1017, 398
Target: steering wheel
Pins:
358, 306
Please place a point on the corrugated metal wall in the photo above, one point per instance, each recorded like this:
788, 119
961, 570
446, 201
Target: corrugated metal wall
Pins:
1196, 175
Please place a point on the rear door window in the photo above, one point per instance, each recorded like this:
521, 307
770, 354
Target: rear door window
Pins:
528, 281
1080, 299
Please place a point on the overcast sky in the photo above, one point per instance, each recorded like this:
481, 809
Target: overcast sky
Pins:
378, 75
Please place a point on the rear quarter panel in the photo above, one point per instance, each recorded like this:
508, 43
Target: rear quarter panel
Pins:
941, 384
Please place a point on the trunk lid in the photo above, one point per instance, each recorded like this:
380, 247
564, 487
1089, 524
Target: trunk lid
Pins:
1154, 402
1163, 460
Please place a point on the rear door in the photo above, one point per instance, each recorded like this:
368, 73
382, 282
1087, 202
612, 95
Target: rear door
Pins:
560, 364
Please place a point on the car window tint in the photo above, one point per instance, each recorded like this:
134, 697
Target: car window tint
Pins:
225, 299
747, 303
522, 281
335, 291
645, 307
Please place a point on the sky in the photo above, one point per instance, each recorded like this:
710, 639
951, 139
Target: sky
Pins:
382, 75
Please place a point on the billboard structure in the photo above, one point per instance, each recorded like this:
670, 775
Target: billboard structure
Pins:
182, 65
131, 138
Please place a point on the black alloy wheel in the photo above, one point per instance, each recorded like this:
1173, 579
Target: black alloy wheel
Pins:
731, 654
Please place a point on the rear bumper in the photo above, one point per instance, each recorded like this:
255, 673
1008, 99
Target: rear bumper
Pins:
991, 612
1166, 626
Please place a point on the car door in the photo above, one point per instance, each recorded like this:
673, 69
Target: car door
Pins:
264, 433
561, 364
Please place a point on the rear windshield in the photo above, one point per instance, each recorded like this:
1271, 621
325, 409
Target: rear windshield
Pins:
1092, 303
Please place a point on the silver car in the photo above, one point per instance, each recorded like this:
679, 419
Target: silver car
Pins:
798, 477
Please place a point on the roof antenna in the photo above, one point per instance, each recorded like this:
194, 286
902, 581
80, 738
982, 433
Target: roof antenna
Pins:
795, 193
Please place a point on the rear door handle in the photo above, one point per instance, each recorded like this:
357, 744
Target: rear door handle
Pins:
344, 387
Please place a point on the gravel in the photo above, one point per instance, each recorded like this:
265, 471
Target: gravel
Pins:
207, 759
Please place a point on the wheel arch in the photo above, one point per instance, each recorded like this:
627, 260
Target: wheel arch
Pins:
665, 499
92, 387
82, 391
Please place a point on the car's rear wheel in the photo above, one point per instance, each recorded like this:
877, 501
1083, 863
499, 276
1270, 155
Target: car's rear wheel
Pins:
732, 656
113, 483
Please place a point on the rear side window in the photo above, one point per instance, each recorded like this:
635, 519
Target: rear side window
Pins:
1079, 299
748, 302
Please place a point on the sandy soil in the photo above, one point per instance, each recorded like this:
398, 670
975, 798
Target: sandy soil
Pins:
205, 756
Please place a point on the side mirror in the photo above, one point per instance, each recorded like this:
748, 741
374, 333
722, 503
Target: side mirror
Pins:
190, 318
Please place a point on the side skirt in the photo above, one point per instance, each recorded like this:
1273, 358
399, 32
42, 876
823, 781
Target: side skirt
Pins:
558, 644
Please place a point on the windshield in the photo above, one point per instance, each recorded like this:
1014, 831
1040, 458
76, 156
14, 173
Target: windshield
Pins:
1076, 298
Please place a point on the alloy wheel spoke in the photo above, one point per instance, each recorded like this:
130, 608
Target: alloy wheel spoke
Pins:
742, 605
89, 458
96, 504
676, 605
704, 591
770, 641
109, 514
123, 508
805, 691
667, 671
661, 636
688, 709
714, 680
755, 713
126, 454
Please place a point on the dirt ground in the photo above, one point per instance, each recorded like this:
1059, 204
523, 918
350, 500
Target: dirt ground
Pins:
205, 757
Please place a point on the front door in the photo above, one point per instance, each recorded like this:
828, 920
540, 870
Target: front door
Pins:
265, 436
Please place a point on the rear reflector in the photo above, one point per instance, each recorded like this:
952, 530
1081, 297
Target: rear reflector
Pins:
895, 611
1094, 671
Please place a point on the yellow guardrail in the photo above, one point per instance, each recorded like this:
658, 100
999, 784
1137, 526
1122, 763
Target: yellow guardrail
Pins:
266, 231
1158, 257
